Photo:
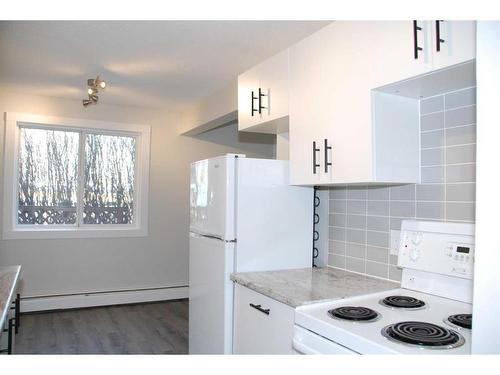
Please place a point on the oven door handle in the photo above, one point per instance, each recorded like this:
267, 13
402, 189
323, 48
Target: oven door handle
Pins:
301, 348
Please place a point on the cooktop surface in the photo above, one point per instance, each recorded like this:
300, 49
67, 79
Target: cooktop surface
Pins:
394, 321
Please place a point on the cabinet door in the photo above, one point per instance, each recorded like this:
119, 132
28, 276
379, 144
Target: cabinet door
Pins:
248, 92
261, 324
4, 336
274, 84
390, 49
457, 45
328, 76
307, 114
267, 83
302, 156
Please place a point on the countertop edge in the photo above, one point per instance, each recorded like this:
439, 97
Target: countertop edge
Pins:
289, 300
10, 296
268, 292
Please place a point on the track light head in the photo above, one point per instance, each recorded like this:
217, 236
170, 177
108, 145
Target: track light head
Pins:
94, 84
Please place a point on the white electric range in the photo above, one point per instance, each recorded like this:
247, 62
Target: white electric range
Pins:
430, 314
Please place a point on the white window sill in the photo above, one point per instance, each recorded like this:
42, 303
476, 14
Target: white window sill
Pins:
56, 233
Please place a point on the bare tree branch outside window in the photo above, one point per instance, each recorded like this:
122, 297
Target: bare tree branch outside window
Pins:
48, 178
109, 179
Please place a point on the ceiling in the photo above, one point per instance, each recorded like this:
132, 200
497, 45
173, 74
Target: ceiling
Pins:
145, 63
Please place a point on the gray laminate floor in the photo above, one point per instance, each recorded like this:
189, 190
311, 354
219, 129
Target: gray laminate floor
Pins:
150, 328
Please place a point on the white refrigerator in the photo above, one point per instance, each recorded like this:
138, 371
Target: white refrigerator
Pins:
244, 217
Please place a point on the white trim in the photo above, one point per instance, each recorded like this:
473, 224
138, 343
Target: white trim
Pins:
142, 133
75, 124
73, 301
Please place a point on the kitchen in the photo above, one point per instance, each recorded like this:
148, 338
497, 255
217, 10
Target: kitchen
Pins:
415, 156
322, 201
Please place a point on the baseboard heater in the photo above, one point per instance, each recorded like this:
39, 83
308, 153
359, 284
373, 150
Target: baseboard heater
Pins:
102, 298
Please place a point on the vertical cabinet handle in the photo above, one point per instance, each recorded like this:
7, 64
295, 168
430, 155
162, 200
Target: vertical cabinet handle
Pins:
439, 40
315, 163
18, 312
253, 107
10, 337
259, 307
261, 95
327, 163
416, 48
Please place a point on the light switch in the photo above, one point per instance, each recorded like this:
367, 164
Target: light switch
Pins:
395, 237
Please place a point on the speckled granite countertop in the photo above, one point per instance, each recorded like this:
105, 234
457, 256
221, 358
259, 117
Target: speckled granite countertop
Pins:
8, 281
307, 285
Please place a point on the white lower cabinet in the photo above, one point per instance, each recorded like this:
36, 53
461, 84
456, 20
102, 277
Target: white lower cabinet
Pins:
9, 330
262, 325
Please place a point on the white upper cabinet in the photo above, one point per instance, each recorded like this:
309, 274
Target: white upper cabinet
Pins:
405, 49
453, 42
396, 50
263, 96
248, 106
343, 130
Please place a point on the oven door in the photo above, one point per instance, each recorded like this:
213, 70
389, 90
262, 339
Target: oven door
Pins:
307, 342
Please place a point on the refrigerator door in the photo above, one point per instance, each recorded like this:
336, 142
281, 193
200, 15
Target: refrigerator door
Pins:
212, 197
274, 219
211, 262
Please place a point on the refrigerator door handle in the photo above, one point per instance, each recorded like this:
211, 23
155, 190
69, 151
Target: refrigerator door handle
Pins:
213, 237
220, 238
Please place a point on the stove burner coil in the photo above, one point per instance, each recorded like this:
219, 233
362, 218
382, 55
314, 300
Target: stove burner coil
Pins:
461, 320
423, 334
403, 302
354, 313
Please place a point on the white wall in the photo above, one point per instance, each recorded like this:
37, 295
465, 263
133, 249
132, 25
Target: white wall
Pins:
161, 259
221, 104
486, 332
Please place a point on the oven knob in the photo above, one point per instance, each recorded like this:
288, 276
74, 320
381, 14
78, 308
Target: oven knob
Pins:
417, 238
414, 254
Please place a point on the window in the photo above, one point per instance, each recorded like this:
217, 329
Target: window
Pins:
74, 178
108, 191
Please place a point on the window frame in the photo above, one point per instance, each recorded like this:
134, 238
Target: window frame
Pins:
12, 230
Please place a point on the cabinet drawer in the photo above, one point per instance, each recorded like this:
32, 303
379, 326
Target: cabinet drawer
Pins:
261, 325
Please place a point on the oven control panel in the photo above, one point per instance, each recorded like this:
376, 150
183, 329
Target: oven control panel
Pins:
461, 256
443, 248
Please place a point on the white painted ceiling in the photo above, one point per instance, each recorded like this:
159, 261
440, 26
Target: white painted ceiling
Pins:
145, 63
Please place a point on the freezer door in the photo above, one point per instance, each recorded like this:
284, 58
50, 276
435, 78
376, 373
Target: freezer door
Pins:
212, 197
211, 262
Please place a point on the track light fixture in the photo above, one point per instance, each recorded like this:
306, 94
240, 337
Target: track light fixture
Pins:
94, 84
